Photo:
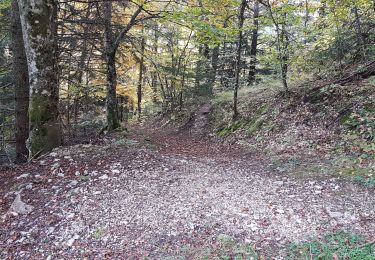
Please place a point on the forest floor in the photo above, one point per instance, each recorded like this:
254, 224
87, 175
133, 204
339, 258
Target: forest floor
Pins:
159, 196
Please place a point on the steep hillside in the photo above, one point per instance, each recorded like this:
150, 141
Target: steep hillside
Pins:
316, 122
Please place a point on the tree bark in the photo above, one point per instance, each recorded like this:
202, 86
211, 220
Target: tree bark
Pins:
154, 76
238, 58
111, 100
214, 66
254, 44
110, 57
21, 82
140, 79
38, 19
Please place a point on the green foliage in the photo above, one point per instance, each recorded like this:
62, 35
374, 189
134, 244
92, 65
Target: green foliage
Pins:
4, 5
98, 233
227, 249
255, 126
335, 246
126, 142
230, 128
368, 182
361, 130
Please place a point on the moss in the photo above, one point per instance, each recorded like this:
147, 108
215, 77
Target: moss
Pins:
45, 128
345, 118
40, 20
41, 110
255, 126
44, 138
229, 129
112, 120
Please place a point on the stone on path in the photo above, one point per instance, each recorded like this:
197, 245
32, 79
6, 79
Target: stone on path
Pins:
20, 207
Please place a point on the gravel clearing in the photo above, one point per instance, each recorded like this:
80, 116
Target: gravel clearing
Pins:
132, 202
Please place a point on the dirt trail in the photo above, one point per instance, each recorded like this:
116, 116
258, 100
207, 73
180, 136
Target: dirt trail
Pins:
168, 196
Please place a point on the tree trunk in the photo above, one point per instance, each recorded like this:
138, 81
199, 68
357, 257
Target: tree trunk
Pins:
111, 100
254, 44
238, 58
154, 76
21, 82
140, 80
38, 19
361, 42
284, 55
214, 66
110, 57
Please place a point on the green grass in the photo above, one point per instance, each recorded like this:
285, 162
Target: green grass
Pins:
368, 182
227, 249
98, 233
229, 129
247, 92
340, 245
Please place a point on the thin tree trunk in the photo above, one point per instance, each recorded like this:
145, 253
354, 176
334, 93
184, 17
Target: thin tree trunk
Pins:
284, 56
214, 66
38, 19
154, 76
358, 27
254, 44
21, 82
110, 56
140, 80
238, 58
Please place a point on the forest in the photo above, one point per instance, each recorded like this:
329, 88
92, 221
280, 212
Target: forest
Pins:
187, 129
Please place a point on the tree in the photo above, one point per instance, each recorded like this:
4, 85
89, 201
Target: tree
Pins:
21, 83
241, 18
39, 28
254, 43
112, 42
280, 15
110, 58
140, 78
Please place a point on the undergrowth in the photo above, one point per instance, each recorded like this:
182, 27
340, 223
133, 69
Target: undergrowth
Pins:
333, 121
340, 245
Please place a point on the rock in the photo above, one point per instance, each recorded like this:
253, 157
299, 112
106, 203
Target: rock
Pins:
104, 177
115, 171
71, 241
279, 183
253, 227
334, 214
74, 183
19, 207
43, 162
60, 174
280, 211
51, 230
25, 175
53, 154
94, 174
55, 166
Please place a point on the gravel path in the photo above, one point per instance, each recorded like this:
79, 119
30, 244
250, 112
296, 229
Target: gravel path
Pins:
169, 198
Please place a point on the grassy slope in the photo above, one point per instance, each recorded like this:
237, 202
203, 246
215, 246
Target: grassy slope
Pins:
332, 127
